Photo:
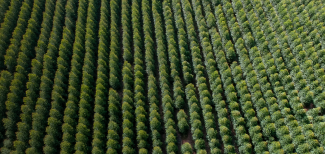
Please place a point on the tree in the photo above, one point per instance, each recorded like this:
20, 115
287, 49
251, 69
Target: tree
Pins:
183, 125
157, 150
199, 144
186, 148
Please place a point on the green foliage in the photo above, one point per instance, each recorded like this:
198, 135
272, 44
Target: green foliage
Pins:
75, 79
60, 80
163, 76
114, 68
182, 121
87, 88
42, 104
27, 42
98, 142
5, 79
24, 19
8, 25
186, 148
111, 78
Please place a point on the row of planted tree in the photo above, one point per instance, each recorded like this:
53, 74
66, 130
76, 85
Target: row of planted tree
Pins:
137, 76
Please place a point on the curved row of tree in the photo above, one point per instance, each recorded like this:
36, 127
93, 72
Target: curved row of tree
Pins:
170, 76
70, 114
168, 105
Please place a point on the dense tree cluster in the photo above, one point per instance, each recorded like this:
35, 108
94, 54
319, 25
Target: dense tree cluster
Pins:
195, 118
41, 112
70, 116
33, 83
169, 76
294, 101
54, 129
128, 145
5, 79
9, 23
30, 15
4, 5
100, 103
25, 43
83, 133
140, 100
114, 99
164, 79
156, 124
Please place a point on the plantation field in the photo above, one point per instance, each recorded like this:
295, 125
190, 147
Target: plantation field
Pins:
162, 76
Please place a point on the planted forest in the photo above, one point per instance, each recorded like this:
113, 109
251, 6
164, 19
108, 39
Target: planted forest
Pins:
162, 76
